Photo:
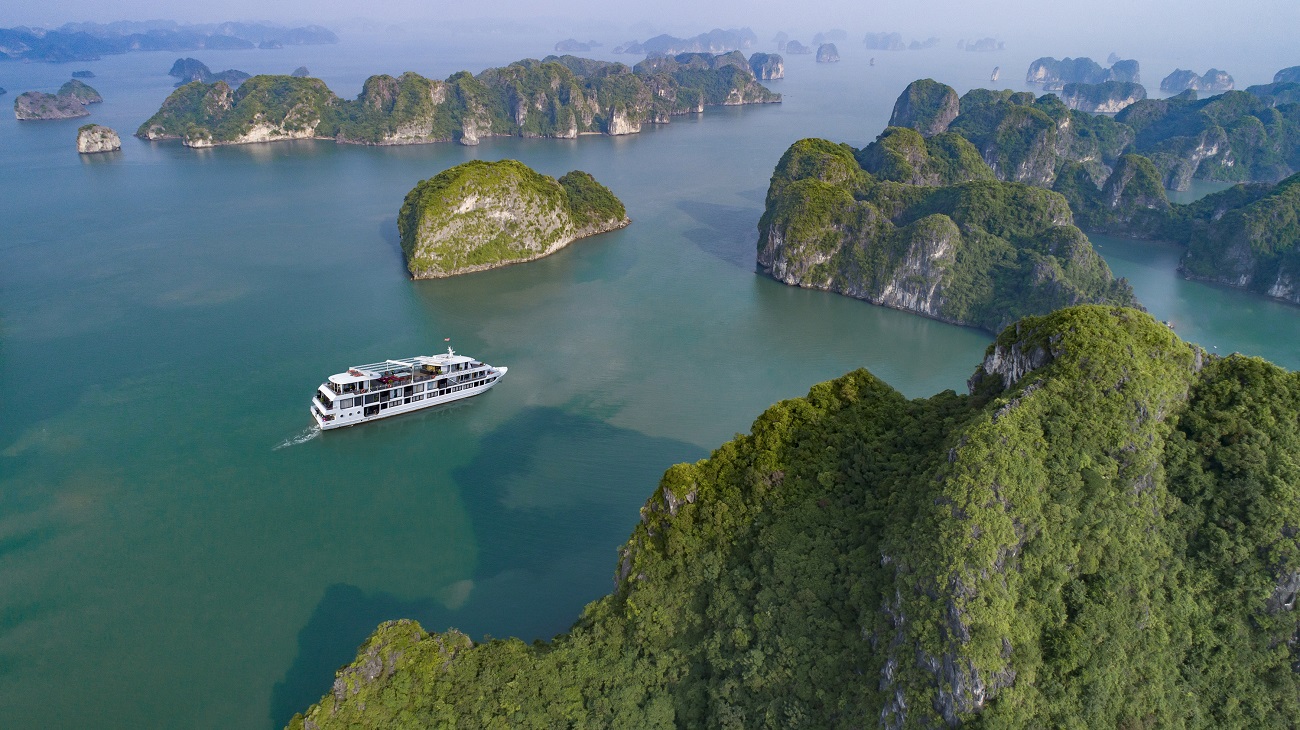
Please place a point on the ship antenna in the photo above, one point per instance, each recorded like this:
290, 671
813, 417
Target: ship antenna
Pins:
449, 350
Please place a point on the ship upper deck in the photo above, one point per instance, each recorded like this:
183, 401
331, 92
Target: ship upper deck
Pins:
447, 362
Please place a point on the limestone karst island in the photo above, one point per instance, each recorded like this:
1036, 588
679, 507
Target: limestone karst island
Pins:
481, 215
559, 96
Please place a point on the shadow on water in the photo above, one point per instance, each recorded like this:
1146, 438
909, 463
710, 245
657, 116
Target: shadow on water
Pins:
389, 232
551, 496
728, 231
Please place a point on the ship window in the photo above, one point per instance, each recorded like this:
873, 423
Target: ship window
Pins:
372, 398
419, 388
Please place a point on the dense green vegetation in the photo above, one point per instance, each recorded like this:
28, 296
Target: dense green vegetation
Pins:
589, 202
926, 106
483, 214
1250, 234
81, 91
903, 155
556, 97
1132, 202
926, 227
1105, 533
1114, 171
1235, 136
1247, 236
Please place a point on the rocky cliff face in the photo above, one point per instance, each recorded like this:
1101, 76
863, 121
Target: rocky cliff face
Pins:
827, 53
1287, 75
1235, 136
32, 105
483, 215
1182, 80
828, 225
557, 97
93, 138
767, 66
1081, 70
1130, 203
1247, 237
1110, 97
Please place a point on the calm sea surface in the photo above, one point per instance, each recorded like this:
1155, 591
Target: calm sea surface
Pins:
179, 549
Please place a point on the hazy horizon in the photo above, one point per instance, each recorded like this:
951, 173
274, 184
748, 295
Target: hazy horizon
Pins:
1262, 26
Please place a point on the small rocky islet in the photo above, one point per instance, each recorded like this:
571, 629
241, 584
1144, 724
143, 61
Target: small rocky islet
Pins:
1212, 80
483, 215
69, 103
95, 138
192, 69
827, 53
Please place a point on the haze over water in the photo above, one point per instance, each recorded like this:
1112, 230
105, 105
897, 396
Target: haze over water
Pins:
179, 549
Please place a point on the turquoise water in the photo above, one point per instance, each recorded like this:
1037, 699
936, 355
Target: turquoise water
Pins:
177, 548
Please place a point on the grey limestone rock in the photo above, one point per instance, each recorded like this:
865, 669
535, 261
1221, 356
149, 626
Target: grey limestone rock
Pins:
767, 66
827, 53
93, 138
32, 105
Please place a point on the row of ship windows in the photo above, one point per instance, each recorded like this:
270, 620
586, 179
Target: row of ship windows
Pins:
374, 398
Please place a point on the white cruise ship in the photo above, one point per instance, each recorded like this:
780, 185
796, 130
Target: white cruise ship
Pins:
367, 392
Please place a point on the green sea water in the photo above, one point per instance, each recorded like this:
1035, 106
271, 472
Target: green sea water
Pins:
179, 549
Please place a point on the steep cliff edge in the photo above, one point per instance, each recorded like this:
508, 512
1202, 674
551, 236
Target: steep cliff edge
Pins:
36, 105
70, 102
1181, 80
1247, 237
560, 97
1052, 72
1108, 97
767, 66
1236, 136
929, 232
262, 109
93, 138
1130, 203
1105, 533
482, 215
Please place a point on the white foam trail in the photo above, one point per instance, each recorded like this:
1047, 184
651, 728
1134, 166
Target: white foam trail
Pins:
307, 435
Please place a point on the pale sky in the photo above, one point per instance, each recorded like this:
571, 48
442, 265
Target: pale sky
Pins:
1106, 22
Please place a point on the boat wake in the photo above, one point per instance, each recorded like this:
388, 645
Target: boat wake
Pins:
301, 438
